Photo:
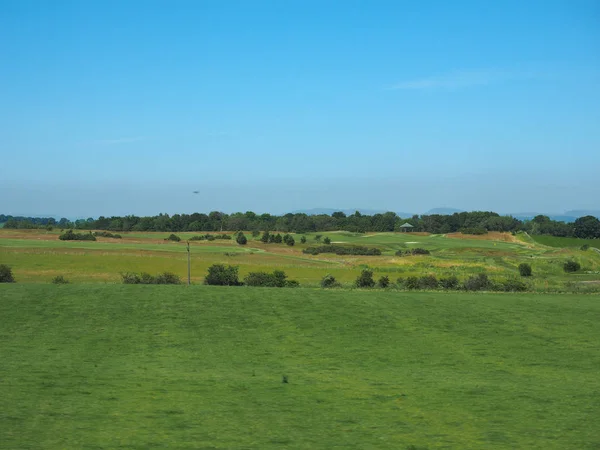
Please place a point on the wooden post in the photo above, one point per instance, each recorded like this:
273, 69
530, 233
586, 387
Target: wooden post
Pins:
189, 266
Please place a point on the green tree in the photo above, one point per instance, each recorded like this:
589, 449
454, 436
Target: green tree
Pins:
241, 239
365, 279
587, 227
525, 269
327, 241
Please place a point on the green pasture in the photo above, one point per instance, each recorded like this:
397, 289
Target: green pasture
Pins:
38, 256
555, 241
138, 367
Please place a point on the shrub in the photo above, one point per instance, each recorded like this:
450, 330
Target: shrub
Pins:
59, 279
265, 237
449, 283
428, 282
413, 251
241, 239
264, 279
478, 282
173, 237
383, 282
222, 275
70, 235
318, 237
6, 275
525, 270
167, 278
326, 241
343, 250
255, 233
303, 239
410, 283
291, 241
585, 247
329, 281
146, 278
130, 278
475, 230
107, 234
513, 285
571, 266
365, 279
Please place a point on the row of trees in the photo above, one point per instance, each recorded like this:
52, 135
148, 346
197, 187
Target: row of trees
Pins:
480, 221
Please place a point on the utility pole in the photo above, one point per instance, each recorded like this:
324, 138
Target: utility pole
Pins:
189, 265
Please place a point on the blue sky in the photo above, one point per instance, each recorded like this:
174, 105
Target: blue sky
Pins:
127, 107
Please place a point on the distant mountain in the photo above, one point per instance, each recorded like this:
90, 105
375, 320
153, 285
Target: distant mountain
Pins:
348, 212
443, 211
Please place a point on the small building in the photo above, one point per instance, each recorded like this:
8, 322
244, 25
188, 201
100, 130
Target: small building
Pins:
406, 227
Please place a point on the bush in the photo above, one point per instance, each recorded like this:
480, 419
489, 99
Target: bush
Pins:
255, 233
278, 239
222, 275
130, 278
241, 239
478, 282
303, 239
413, 251
365, 279
6, 275
318, 237
383, 282
167, 278
410, 283
70, 235
264, 279
428, 282
326, 241
329, 281
571, 266
475, 230
513, 285
525, 270
59, 279
343, 250
266, 237
107, 234
449, 283
173, 237
585, 247
291, 241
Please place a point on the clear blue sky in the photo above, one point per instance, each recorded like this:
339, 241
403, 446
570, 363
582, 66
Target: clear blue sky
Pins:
117, 107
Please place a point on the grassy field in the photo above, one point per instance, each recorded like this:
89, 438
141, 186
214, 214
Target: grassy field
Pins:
138, 367
38, 255
555, 241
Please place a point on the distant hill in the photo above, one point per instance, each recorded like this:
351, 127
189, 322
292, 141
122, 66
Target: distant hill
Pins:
348, 212
443, 211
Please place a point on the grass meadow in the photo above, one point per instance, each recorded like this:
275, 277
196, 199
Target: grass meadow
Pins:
118, 366
36, 256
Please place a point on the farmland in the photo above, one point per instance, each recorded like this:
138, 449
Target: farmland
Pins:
114, 366
38, 255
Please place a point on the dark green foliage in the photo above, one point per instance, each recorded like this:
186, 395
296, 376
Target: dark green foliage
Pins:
266, 237
587, 227
255, 233
291, 241
60, 279
146, 278
383, 282
428, 282
326, 241
343, 250
525, 270
413, 251
303, 239
409, 283
107, 234
210, 237
513, 285
365, 279
475, 231
278, 239
241, 239
585, 247
318, 237
329, 281
6, 275
479, 282
571, 266
70, 235
449, 283
265, 279
173, 237
222, 275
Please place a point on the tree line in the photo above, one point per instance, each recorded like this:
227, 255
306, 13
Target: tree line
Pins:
473, 222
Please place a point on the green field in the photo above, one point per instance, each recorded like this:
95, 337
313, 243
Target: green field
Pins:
36, 256
137, 367
555, 241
